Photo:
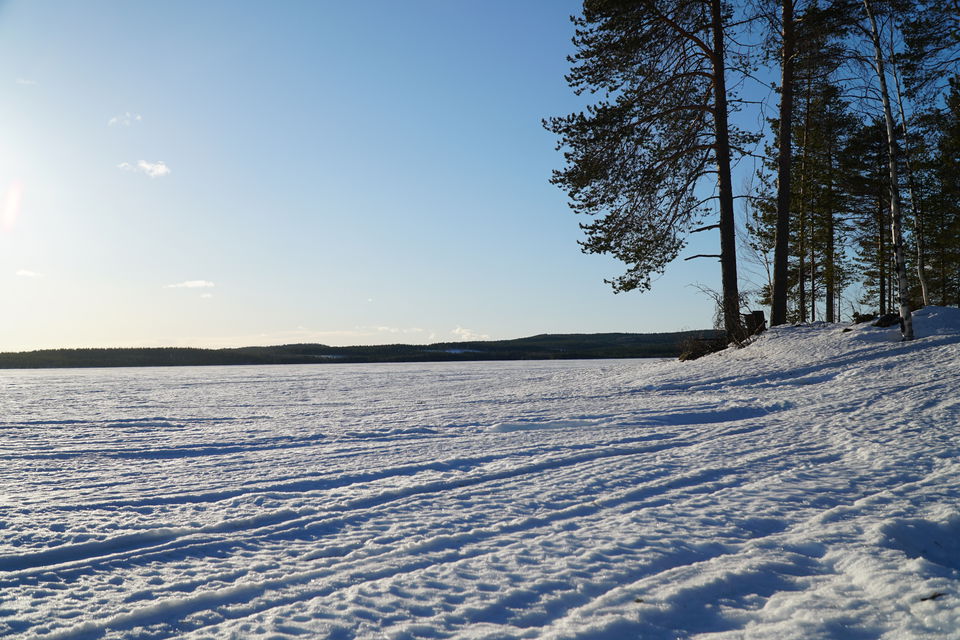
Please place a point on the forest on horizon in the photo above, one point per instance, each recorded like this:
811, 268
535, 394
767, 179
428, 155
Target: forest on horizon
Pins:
540, 347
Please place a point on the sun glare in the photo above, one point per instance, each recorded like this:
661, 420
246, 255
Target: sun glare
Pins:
12, 200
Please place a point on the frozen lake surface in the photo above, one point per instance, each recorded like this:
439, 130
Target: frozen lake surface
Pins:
807, 486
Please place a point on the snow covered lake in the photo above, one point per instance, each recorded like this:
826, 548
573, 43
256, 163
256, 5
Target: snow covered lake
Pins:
807, 486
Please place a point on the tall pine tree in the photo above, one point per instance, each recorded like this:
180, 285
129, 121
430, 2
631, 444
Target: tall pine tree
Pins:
636, 159
943, 206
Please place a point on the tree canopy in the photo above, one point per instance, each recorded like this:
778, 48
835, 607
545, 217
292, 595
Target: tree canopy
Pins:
856, 194
637, 158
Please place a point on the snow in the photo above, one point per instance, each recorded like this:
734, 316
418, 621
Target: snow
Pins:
806, 486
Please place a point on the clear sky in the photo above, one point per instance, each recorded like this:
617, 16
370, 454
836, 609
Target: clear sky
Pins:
225, 173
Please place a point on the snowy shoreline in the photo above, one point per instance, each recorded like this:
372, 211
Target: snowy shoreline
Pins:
806, 486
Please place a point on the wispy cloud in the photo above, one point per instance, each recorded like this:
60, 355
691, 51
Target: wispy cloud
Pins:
156, 169
124, 120
26, 82
26, 273
190, 284
468, 334
393, 330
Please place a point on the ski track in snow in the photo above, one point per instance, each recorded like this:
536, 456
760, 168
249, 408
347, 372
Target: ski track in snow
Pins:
806, 486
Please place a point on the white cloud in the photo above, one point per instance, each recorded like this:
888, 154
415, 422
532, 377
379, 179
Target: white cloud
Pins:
153, 169
124, 120
26, 273
466, 335
206, 295
25, 81
190, 284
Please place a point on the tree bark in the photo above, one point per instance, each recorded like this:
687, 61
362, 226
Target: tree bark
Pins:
778, 310
906, 318
802, 235
830, 268
728, 240
813, 274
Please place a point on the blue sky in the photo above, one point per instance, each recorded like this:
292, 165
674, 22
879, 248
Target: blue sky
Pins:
233, 173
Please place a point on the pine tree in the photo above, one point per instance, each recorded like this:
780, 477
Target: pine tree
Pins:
867, 182
635, 158
929, 56
778, 311
931, 30
943, 206
828, 202
805, 32
896, 218
795, 161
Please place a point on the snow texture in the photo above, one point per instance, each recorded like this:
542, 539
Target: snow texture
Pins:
806, 486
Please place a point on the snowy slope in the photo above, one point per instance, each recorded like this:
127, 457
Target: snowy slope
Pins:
807, 486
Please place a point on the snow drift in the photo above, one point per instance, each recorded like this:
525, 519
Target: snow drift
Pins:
806, 486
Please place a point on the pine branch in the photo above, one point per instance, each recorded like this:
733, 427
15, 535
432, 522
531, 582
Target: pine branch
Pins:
706, 228
703, 46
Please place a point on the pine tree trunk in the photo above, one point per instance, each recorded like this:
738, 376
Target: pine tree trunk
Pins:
830, 273
813, 275
802, 239
943, 264
728, 256
906, 318
778, 310
881, 258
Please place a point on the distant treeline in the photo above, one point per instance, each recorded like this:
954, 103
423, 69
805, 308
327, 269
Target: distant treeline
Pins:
541, 347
